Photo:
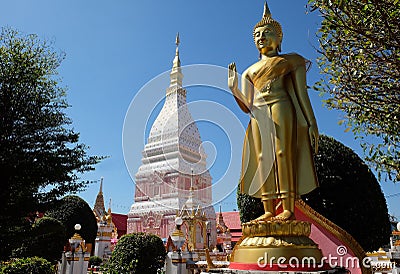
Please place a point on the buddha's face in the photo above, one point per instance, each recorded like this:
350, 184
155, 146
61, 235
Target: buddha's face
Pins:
266, 39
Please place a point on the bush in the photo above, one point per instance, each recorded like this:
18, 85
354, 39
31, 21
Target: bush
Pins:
95, 260
46, 239
137, 253
33, 265
349, 195
72, 210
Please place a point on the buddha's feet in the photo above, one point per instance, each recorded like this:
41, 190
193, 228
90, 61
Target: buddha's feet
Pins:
265, 217
284, 216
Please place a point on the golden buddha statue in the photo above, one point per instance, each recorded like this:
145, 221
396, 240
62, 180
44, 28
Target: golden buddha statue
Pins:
277, 162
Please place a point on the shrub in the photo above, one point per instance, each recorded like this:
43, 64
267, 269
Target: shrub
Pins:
95, 260
137, 253
45, 239
32, 265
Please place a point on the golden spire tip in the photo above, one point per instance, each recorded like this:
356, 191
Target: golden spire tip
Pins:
101, 184
177, 41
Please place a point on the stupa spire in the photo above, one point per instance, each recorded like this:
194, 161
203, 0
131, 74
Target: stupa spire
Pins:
177, 41
99, 208
101, 185
176, 73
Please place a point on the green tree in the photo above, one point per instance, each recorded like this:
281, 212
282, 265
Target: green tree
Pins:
137, 253
360, 61
40, 154
72, 210
349, 195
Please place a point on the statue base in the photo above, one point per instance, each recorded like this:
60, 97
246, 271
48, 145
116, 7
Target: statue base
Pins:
275, 246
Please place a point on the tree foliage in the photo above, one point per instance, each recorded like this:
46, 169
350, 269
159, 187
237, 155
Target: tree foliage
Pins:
249, 207
72, 210
95, 261
46, 239
40, 154
349, 195
360, 61
137, 253
34, 265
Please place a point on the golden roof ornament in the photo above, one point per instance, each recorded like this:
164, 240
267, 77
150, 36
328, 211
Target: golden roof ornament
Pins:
109, 214
268, 20
176, 76
177, 41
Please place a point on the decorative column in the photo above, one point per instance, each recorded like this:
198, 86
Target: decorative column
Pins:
75, 260
177, 259
103, 239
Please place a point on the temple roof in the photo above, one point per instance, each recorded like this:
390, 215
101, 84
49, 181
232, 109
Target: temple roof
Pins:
119, 221
232, 220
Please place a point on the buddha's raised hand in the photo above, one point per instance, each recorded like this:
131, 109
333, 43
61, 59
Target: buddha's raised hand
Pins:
232, 77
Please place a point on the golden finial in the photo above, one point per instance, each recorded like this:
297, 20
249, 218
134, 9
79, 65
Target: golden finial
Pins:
177, 41
109, 213
109, 207
176, 74
191, 183
267, 12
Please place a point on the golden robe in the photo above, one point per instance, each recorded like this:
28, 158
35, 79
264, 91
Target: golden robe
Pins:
305, 176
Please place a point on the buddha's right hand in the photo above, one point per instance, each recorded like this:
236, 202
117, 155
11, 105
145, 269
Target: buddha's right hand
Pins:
232, 77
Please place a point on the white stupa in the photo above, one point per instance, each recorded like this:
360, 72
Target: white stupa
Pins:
172, 160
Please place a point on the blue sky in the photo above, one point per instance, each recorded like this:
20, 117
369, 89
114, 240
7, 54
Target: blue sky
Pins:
113, 48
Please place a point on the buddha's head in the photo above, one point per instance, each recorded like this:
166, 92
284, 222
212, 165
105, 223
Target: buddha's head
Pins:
267, 33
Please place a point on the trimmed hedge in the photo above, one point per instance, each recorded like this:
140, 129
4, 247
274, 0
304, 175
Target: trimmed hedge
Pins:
72, 210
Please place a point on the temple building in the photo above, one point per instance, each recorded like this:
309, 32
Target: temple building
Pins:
195, 223
224, 236
173, 167
232, 220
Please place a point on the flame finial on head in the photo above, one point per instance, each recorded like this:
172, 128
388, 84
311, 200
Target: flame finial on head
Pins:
267, 12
